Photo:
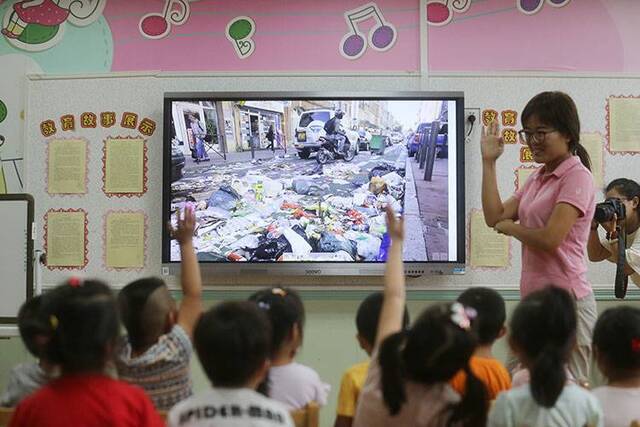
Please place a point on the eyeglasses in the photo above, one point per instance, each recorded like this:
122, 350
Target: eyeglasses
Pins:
528, 136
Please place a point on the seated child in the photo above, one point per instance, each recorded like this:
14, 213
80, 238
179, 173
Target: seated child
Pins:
83, 331
408, 379
542, 336
233, 343
288, 382
28, 377
157, 351
489, 326
616, 341
353, 379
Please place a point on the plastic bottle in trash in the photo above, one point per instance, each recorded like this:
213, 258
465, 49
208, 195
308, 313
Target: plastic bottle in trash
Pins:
258, 189
384, 247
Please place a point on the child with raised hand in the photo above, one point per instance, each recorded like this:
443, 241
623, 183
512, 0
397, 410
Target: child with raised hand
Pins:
407, 382
353, 379
83, 330
26, 378
488, 326
543, 334
616, 341
156, 353
289, 382
233, 343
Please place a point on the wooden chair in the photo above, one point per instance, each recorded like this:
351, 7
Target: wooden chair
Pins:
5, 416
309, 416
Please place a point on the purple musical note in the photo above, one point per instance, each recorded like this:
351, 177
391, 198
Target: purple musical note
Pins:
533, 6
381, 37
157, 26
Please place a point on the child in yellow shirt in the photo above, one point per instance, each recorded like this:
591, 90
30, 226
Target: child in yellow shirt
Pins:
354, 377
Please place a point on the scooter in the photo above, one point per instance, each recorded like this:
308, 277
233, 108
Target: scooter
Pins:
329, 149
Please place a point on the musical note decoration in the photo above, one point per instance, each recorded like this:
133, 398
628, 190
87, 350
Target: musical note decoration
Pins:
158, 25
440, 13
530, 7
239, 31
381, 37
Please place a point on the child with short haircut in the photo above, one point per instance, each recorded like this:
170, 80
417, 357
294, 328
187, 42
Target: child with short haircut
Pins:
616, 341
233, 343
407, 382
26, 378
157, 351
288, 382
489, 326
353, 379
83, 330
543, 334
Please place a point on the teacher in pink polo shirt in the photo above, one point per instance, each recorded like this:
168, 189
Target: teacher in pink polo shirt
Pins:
551, 214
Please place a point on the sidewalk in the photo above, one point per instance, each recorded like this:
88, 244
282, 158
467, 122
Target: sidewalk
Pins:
433, 200
243, 156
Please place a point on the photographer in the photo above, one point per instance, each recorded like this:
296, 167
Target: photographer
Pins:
627, 192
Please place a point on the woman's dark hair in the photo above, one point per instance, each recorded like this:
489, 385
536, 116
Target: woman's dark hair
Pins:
233, 341
543, 329
616, 339
32, 324
557, 109
626, 187
432, 351
284, 309
84, 323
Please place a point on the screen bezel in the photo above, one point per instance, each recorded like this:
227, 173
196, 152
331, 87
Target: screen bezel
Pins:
316, 268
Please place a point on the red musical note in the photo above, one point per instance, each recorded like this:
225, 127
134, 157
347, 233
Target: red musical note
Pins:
157, 26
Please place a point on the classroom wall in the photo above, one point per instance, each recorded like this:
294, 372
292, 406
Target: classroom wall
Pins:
482, 36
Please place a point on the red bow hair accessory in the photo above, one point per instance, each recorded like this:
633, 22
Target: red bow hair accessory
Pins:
635, 345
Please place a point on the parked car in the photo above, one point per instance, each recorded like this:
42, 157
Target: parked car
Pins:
396, 137
413, 145
177, 162
311, 127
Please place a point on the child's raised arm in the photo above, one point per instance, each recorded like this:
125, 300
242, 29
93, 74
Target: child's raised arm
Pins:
394, 289
190, 280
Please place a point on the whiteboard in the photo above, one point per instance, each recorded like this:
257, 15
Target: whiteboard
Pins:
50, 98
16, 254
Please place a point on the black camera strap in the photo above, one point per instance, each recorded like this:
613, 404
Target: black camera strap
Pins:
622, 280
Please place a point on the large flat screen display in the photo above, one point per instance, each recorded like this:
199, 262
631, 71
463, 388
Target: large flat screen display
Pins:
302, 179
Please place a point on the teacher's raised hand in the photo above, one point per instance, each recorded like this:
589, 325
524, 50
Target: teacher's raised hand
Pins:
491, 143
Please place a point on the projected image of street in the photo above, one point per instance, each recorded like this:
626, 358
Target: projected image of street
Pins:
308, 181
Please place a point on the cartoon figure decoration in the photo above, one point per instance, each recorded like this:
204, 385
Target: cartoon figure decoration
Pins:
441, 12
381, 37
37, 25
530, 7
158, 26
239, 31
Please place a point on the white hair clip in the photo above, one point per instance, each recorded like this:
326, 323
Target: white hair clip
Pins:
263, 305
462, 316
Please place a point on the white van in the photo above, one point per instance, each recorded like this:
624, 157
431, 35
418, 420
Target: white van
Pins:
311, 127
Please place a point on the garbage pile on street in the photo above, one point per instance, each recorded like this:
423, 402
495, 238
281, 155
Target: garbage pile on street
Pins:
275, 212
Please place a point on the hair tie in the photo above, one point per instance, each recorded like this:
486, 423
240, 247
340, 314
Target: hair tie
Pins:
635, 345
279, 291
462, 316
53, 320
263, 305
75, 282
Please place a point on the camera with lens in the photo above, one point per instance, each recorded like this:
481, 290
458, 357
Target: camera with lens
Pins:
607, 209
